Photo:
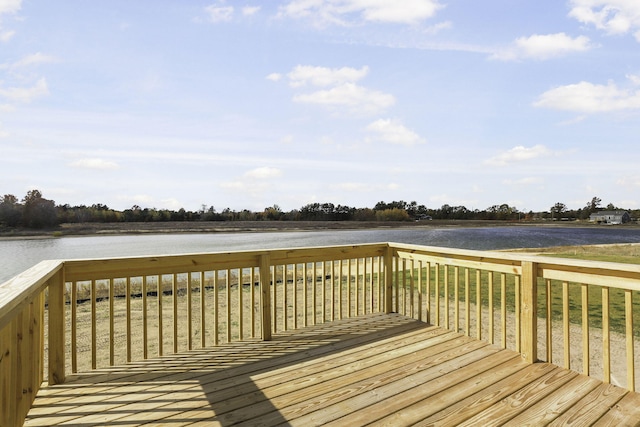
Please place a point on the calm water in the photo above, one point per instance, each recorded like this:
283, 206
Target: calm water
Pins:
18, 255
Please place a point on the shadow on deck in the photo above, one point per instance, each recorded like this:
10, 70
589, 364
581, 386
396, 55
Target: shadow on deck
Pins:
376, 369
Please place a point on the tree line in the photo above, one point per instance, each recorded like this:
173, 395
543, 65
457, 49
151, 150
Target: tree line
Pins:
36, 212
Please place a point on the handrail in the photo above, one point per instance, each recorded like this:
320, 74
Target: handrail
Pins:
154, 305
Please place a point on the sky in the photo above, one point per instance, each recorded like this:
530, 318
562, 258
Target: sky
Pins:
249, 104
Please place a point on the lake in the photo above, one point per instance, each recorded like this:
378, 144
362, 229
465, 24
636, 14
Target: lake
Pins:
18, 255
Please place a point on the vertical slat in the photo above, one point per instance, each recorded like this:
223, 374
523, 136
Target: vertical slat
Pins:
585, 330
446, 296
397, 285
420, 290
216, 309
174, 292
380, 282
529, 312
253, 301
333, 290
349, 288
412, 289
305, 283
94, 332
324, 292
74, 329
203, 311
428, 291
606, 341
388, 280
478, 304
228, 303
314, 296
491, 314
294, 281
357, 291
274, 300
467, 301
517, 311
436, 291
503, 308
628, 313
160, 317
285, 301
145, 321
57, 329
189, 312
566, 325
128, 314
111, 323
240, 307
340, 291
403, 287
456, 299
265, 300
549, 322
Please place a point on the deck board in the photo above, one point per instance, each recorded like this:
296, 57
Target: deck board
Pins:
375, 369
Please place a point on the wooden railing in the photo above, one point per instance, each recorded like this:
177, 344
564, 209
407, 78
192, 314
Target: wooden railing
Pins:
74, 316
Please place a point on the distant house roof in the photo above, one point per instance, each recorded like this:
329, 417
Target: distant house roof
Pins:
610, 216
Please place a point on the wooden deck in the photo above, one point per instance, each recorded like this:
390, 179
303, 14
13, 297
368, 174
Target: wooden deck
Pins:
376, 369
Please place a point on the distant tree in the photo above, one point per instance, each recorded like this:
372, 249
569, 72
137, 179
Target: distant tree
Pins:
394, 214
38, 212
557, 210
10, 211
594, 204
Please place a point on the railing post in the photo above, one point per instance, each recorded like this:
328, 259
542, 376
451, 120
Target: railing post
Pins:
57, 328
265, 297
529, 311
388, 280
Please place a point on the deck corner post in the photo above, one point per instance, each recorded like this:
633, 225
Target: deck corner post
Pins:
388, 280
57, 323
265, 296
529, 312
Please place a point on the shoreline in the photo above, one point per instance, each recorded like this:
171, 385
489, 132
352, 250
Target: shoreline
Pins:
183, 227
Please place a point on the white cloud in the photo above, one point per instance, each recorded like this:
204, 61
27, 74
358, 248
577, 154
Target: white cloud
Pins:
611, 16
274, 77
94, 163
10, 6
33, 59
263, 173
254, 182
26, 95
394, 132
356, 99
302, 75
518, 154
542, 47
219, 13
347, 12
250, 10
435, 29
5, 36
585, 97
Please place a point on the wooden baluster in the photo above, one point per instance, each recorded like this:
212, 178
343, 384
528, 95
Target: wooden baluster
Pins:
606, 341
566, 325
478, 304
585, 329
529, 311
503, 308
549, 322
57, 323
74, 327
145, 321
628, 313
265, 297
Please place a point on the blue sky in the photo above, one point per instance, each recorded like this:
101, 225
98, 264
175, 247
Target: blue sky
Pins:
244, 105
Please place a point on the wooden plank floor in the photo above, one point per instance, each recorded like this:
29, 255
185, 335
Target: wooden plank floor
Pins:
372, 370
